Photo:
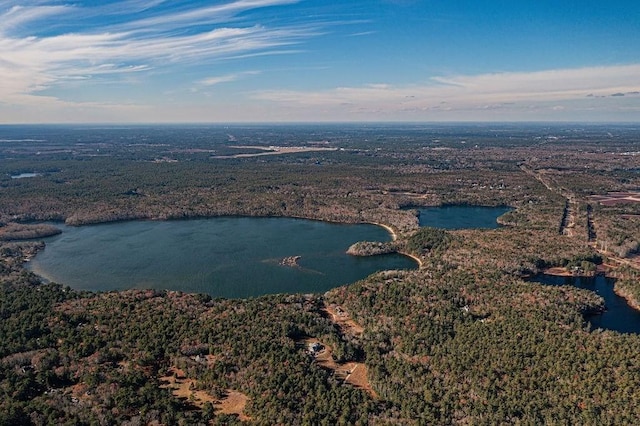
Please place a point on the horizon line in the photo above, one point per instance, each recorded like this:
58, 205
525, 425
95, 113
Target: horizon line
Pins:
327, 122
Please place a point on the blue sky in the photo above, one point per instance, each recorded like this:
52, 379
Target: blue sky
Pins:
307, 60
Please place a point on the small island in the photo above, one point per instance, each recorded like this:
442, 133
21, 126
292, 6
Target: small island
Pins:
372, 248
291, 261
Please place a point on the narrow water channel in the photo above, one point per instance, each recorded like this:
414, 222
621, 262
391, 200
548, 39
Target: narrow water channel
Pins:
619, 316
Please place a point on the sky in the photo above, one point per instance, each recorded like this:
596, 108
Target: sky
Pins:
178, 61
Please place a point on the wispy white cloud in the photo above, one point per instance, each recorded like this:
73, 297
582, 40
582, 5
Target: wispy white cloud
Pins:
203, 15
228, 78
16, 15
135, 6
508, 90
31, 62
551, 84
53, 52
363, 33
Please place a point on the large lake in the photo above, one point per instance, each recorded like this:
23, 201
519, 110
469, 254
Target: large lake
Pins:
233, 257
461, 217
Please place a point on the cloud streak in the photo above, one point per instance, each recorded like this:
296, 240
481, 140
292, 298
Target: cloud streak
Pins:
31, 63
96, 60
17, 16
203, 15
228, 78
470, 92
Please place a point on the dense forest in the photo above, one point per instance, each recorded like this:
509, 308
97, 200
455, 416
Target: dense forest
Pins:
465, 339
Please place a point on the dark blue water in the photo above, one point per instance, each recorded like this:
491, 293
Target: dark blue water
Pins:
619, 316
233, 257
461, 217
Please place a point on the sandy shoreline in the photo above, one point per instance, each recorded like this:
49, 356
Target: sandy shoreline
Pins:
416, 258
394, 237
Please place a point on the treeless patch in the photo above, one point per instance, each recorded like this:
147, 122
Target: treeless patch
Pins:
563, 272
358, 378
234, 403
274, 150
558, 271
351, 373
185, 388
613, 198
322, 357
340, 317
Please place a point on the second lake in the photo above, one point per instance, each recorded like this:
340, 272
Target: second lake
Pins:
461, 217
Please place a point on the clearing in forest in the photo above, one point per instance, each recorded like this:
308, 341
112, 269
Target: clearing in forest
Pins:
343, 320
233, 403
185, 388
613, 198
274, 150
351, 373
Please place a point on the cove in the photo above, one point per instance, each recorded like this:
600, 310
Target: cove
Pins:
619, 316
231, 257
461, 216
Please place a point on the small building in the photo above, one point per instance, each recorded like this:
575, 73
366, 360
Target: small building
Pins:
315, 347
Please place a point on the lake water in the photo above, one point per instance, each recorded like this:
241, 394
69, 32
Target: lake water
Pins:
233, 257
461, 217
619, 316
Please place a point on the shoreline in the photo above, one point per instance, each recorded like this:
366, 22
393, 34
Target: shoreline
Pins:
631, 301
414, 257
394, 237
559, 271
388, 228
290, 261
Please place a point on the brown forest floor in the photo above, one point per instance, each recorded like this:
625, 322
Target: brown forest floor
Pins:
185, 388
